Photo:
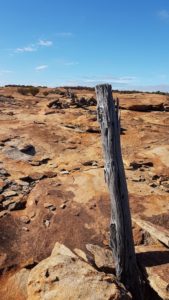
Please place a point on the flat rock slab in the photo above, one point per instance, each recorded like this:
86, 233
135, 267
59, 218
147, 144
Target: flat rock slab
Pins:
156, 231
152, 214
155, 260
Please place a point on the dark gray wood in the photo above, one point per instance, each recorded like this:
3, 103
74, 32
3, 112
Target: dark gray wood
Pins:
121, 239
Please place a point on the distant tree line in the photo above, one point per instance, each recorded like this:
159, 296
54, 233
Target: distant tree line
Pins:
79, 88
23, 85
85, 88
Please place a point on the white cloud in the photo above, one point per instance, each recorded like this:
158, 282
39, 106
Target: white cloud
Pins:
34, 47
45, 43
26, 49
42, 67
123, 80
163, 14
117, 82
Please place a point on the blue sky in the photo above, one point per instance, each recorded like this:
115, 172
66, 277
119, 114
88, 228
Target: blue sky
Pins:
82, 42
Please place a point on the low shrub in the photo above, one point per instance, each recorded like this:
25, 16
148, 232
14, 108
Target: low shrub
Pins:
45, 93
28, 90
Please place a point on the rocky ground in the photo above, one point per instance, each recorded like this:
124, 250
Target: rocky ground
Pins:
53, 195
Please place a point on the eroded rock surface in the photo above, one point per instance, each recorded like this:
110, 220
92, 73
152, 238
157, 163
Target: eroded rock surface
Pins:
52, 185
64, 276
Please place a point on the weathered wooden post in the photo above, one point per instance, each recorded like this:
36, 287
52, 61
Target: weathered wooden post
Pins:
121, 239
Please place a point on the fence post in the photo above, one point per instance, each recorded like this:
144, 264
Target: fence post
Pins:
121, 239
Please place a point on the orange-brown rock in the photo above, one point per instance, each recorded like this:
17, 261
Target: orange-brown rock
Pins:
63, 275
55, 160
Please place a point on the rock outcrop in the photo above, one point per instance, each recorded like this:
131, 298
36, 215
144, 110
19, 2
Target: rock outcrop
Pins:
52, 185
64, 276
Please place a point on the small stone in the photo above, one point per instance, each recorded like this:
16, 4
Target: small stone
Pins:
25, 228
33, 177
103, 257
50, 174
3, 213
63, 206
47, 223
35, 163
12, 204
53, 165
80, 253
94, 164
52, 208
25, 219
90, 163
22, 183
49, 206
64, 172
4, 172
10, 193
15, 188
77, 214
93, 206
153, 185
32, 214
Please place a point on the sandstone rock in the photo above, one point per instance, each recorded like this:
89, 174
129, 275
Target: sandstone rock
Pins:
49, 206
25, 228
138, 235
3, 213
64, 276
27, 149
3, 172
103, 258
46, 223
15, 154
81, 253
155, 261
90, 163
25, 219
158, 231
64, 172
14, 204
87, 218
63, 206
10, 193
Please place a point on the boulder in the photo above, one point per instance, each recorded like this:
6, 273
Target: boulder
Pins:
64, 276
